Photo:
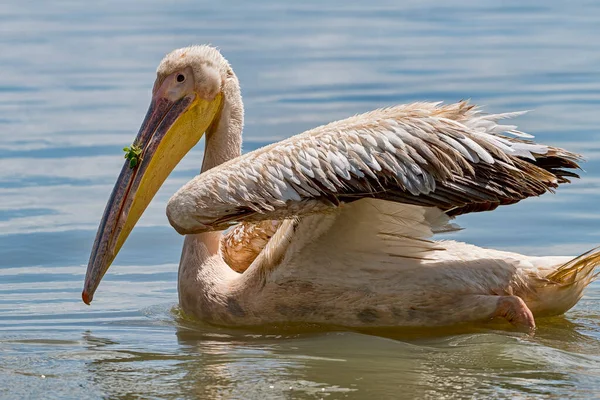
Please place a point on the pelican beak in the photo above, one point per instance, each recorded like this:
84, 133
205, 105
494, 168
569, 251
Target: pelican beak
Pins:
171, 128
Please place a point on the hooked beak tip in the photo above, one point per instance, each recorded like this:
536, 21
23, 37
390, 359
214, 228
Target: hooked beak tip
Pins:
87, 299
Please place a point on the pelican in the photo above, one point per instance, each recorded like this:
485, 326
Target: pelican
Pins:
335, 225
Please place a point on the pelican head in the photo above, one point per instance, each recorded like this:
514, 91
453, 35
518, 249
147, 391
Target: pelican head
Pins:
186, 101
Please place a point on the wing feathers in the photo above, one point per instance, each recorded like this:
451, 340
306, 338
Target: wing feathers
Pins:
452, 157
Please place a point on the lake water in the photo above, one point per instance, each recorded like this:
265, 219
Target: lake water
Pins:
75, 80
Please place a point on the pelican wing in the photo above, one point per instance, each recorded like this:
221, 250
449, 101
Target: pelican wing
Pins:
452, 157
367, 235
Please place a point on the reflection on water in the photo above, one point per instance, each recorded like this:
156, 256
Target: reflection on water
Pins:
208, 362
165, 355
74, 87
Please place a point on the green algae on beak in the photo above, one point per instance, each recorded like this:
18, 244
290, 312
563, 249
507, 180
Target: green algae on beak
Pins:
133, 154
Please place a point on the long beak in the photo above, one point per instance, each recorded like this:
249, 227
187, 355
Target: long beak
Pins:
169, 131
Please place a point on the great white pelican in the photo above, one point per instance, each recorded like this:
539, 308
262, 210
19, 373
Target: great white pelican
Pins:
334, 226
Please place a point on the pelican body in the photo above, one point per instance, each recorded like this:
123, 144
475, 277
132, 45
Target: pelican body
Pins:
335, 226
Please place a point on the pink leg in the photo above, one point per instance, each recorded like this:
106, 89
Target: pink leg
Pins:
515, 311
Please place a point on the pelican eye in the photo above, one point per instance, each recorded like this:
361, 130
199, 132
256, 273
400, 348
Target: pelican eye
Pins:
180, 78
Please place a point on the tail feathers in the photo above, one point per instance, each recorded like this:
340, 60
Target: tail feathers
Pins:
578, 271
561, 289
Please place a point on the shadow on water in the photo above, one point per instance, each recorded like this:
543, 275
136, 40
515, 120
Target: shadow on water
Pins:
559, 327
313, 362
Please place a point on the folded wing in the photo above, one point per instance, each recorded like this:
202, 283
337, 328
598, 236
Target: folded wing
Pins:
451, 157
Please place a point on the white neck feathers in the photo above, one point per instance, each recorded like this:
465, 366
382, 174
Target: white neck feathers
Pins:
224, 137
